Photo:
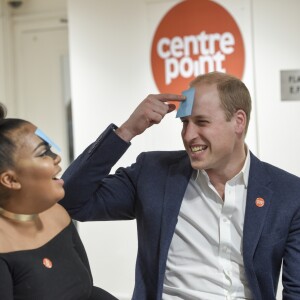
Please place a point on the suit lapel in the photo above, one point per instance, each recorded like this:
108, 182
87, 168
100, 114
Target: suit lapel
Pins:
258, 193
178, 178
177, 181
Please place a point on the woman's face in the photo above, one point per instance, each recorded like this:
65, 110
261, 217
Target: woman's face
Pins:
36, 168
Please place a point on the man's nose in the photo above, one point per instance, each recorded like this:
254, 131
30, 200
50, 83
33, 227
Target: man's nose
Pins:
190, 131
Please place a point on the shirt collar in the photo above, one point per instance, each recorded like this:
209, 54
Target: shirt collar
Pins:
246, 168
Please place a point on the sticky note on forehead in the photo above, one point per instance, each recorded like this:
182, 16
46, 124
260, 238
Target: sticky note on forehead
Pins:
186, 106
44, 137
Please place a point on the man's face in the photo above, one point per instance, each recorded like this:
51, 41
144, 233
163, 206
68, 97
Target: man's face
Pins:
209, 139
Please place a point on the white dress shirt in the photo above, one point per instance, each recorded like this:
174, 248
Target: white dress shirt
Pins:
205, 259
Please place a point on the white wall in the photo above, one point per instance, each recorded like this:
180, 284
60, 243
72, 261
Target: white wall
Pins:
110, 70
276, 27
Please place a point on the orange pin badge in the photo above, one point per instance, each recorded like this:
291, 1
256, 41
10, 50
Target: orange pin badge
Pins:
260, 202
47, 263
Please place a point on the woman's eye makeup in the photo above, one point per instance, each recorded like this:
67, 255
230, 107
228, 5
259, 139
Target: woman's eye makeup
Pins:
45, 138
47, 152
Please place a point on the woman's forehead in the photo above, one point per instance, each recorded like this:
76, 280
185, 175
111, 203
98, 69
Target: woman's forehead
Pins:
45, 138
29, 134
26, 136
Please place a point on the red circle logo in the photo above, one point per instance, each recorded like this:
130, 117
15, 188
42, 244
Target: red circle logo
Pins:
193, 38
260, 202
47, 263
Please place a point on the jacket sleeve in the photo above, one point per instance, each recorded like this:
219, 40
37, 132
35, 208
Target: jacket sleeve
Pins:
6, 283
90, 192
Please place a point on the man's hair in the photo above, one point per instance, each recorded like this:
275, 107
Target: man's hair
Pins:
233, 93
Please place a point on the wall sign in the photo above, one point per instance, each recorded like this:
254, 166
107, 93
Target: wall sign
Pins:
290, 84
195, 37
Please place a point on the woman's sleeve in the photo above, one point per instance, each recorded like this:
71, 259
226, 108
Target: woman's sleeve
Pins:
97, 293
6, 282
100, 294
80, 249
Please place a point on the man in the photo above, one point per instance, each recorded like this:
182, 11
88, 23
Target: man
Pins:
214, 222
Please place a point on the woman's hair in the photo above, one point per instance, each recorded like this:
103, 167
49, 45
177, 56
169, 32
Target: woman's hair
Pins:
233, 93
7, 142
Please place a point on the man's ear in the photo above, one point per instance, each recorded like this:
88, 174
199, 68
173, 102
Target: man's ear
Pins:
9, 180
241, 120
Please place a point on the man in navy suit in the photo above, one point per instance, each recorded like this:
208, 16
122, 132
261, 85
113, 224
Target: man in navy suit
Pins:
214, 222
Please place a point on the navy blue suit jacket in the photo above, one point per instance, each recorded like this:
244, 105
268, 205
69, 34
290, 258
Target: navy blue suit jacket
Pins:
151, 191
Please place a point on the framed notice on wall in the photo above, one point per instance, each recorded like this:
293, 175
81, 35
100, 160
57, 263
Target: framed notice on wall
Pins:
290, 84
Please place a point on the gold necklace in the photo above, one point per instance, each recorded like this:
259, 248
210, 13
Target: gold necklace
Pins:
17, 217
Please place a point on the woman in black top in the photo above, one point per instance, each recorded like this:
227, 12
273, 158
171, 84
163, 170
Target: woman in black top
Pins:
41, 254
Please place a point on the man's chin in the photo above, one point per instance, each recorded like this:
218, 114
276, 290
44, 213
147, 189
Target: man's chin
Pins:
197, 165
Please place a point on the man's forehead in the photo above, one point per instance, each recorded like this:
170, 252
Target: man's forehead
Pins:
186, 106
194, 116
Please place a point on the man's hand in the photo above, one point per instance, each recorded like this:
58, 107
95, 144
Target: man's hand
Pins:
150, 111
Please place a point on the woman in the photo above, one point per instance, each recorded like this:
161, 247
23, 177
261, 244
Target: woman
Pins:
41, 254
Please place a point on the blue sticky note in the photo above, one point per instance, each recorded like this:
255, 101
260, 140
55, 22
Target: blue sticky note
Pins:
186, 106
43, 136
